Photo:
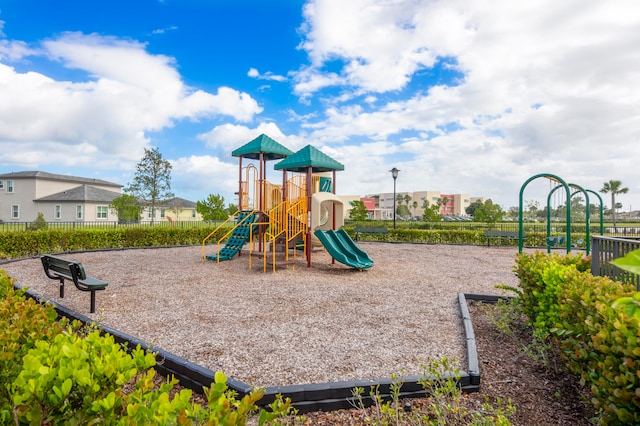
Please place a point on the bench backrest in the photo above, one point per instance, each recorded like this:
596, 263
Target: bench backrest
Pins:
493, 233
64, 267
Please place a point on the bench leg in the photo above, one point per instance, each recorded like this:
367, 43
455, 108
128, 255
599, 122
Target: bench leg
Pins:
93, 302
62, 288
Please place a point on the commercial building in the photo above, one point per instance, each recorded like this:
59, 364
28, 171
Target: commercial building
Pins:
381, 205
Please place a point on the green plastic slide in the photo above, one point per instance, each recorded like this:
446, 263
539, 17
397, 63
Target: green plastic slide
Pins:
343, 249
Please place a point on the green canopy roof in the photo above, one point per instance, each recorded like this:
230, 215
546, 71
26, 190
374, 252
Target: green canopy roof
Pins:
309, 157
270, 149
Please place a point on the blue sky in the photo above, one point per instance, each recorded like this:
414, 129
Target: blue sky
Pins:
463, 96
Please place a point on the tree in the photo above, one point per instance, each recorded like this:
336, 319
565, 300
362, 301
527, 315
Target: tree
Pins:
431, 213
152, 182
578, 209
471, 210
614, 187
127, 207
358, 210
489, 213
232, 209
40, 223
212, 208
443, 202
532, 208
403, 211
514, 211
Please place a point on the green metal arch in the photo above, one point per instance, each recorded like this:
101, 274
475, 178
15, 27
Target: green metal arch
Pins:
521, 199
601, 210
580, 189
588, 213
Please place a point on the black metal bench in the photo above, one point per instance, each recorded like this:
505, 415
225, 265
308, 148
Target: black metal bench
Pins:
62, 269
369, 230
493, 234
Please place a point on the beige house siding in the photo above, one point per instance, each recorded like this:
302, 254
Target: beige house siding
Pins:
184, 214
21, 196
31, 187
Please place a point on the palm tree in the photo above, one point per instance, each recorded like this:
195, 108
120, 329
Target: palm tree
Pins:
445, 200
615, 188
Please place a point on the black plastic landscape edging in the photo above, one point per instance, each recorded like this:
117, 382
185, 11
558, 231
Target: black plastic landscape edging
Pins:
304, 397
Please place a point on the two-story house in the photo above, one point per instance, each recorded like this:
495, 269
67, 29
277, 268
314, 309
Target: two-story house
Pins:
58, 197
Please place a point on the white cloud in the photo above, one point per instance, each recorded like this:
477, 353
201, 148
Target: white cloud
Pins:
254, 73
546, 87
14, 50
198, 176
381, 43
127, 94
232, 136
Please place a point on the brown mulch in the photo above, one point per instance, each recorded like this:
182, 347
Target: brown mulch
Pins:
541, 392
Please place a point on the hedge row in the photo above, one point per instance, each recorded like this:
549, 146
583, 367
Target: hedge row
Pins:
54, 372
599, 343
23, 244
444, 236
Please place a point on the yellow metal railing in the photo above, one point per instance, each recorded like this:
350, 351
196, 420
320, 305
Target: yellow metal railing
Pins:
297, 216
285, 221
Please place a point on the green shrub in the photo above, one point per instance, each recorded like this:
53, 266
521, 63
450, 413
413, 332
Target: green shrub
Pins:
64, 380
23, 323
599, 343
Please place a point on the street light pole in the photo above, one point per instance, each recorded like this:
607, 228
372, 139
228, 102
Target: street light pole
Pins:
394, 173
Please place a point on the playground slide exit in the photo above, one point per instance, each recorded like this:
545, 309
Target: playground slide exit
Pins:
343, 249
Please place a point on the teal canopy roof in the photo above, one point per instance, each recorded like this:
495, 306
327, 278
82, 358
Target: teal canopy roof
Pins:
309, 157
263, 144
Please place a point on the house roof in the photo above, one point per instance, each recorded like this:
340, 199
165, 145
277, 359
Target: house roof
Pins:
263, 144
83, 193
53, 176
179, 202
309, 156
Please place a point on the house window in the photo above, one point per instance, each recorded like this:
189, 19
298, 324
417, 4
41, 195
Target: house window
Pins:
1, 184
163, 213
193, 214
79, 212
10, 186
101, 212
15, 211
149, 213
57, 212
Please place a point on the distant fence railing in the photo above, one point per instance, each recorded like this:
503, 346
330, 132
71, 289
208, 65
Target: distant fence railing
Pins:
606, 249
27, 226
631, 230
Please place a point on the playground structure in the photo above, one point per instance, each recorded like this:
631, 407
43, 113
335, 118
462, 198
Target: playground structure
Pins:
279, 220
566, 240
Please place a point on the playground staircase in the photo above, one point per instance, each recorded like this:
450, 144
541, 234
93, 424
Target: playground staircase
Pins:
240, 235
286, 231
